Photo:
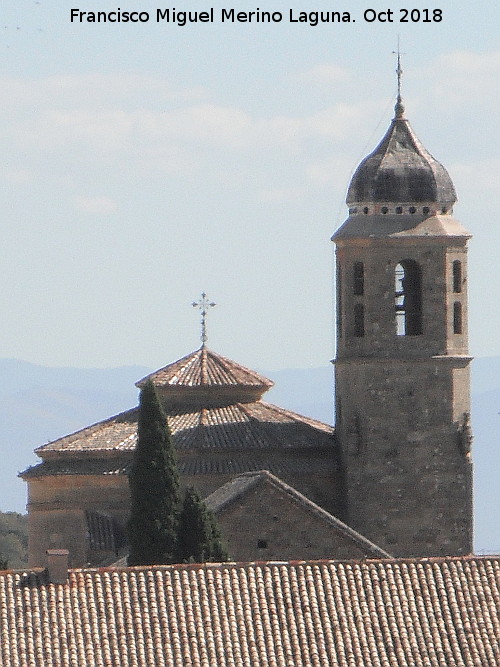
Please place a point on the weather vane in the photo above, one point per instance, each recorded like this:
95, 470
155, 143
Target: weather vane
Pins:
203, 305
399, 72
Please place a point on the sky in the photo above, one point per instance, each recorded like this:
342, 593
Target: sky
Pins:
144, 163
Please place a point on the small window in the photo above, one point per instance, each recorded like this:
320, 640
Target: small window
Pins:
359, 320
339, 302
408, 298
399, 209
365, 210
457, 276
426, 210
412, 209
261, 544
359, 279
384, 210
457, 317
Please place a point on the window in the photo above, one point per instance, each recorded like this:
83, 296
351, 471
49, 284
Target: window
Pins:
457, 317
261, 544
359, 320
408, 298
457, 276
339, 301
359, 279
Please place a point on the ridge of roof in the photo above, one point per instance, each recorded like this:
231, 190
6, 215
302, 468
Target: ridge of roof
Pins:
354, 562
350, 562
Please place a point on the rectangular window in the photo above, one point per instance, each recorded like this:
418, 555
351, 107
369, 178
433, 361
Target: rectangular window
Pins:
339, 301
408, 298
359, 320
457, 317
359, 279
457, 276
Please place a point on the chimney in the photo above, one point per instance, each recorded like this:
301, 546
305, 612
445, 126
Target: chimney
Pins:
57, 565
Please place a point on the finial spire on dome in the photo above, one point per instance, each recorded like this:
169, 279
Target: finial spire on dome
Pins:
399, 108
203, 304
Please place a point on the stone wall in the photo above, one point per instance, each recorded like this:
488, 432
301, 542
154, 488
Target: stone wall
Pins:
266, 524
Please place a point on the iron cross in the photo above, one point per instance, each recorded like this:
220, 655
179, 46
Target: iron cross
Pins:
203, 305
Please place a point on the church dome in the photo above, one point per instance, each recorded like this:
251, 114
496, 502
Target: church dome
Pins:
205, 377
401, 170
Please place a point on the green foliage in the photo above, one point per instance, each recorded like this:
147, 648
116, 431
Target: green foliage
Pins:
13, 540
199, 538
154, 487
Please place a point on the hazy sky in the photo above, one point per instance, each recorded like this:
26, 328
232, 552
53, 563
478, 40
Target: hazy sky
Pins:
143, 163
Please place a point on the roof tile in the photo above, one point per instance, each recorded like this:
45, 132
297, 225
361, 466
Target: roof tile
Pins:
204, 368
380, 613
256, 425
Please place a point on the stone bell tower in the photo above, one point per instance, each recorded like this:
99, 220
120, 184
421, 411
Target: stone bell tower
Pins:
402, 366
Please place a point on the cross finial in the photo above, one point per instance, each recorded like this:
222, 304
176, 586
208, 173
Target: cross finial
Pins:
203, 305
399, 108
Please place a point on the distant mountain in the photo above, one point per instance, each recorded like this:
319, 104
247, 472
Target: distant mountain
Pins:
39, 404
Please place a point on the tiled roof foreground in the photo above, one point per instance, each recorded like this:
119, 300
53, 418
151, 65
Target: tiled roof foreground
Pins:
380, 613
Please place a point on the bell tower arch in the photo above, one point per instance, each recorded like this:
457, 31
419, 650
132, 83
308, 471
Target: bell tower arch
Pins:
402, 365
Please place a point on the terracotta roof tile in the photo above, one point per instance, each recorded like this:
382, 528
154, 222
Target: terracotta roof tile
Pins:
204, 368
256, 425
379, 613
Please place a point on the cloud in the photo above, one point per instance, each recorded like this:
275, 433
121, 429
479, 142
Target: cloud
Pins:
134, 128
96, 205
326, 73
482, 175
18, 176
126, 122
464, 79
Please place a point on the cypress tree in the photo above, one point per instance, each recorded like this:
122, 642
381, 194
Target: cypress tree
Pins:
199, 538
154, 487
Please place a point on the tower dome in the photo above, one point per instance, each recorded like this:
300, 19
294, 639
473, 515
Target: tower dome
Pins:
401, 171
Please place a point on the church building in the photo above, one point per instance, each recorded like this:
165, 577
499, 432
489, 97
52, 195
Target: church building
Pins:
402, 367
394, 477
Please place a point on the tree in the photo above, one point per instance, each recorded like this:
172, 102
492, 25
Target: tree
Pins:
199, 538
154, 487
13, 540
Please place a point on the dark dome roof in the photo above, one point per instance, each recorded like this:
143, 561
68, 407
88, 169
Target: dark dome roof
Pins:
401, 170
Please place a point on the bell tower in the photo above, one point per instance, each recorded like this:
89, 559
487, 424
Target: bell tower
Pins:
402, 365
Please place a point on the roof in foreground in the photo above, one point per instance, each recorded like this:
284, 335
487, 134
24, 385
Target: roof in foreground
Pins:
390, 613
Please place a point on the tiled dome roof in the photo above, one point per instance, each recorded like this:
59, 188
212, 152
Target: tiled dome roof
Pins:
205, 376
